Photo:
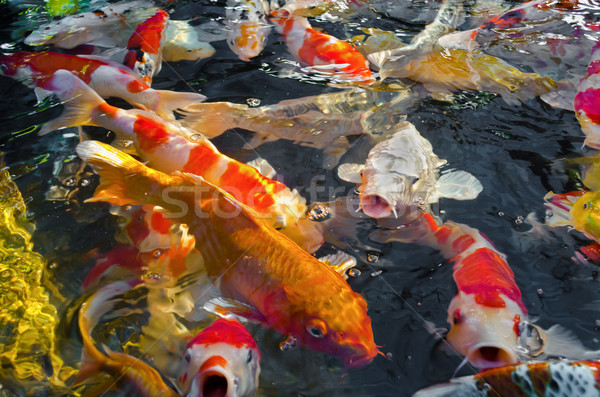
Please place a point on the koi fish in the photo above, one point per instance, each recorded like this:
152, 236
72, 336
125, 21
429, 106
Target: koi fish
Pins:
144, 55
247, 27
169, 147
527, 379
401, 174
263, 275
486, 313
320, 121
322, 52
112, 26
35, 69
586, 101
106, 26
124, 368
552, 37
580, 209
222, 360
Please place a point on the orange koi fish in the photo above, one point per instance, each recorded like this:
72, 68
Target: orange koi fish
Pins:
144, 55
527, 379
168, 148
324, 53
125, 369
486, 313
247, 27
265, 276
222, 360
107, 78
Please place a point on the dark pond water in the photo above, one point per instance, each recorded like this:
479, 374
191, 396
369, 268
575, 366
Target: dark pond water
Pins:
515, 151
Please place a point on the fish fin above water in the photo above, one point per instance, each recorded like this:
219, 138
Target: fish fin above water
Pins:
263, 167
350, 172
258, 139
234, 310
171, 100
560, 206
78, 99
334, 152
457, 185
340, 262
563, 97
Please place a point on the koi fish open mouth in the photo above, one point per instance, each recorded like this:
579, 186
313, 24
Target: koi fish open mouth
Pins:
376, 206
212, 383
487, 355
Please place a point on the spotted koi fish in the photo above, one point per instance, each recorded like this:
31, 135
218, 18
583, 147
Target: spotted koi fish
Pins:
557, 378
320, 51
107, 78
247, 27
222, 360
169, 147
263, 276
486, 313
144, 55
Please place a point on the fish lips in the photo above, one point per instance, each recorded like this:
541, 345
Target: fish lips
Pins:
213, 382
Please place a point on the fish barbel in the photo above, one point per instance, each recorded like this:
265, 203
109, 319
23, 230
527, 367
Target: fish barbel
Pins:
275, 282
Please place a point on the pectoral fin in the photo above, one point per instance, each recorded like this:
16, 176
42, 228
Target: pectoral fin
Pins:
232, 309
263, 167
350, 172
457, 185
340, 262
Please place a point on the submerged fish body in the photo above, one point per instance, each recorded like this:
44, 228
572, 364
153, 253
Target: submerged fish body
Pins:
222, 360
170, 147
126, 369
247, 27
322, 52
580, 378
401, 175
144, 48
276, 283
553, 38
35, 69
488, 309
183, 43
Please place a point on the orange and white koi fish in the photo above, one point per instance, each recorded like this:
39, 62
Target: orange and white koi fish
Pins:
527, 379
247, 27
486, 313
107, 26
222, 360
322, 52
401, 176
125, 369
266, 277
144, 48
35, 69
169, 147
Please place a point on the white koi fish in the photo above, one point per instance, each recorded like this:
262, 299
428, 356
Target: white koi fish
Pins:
247, 27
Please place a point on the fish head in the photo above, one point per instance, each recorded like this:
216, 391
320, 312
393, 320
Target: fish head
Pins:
247, 39
223, 360
586, 214
511, 19
487, 336
337, 325
587, 111
385, 194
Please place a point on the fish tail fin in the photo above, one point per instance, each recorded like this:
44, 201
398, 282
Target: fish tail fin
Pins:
78, 99
124, 180
171, 100
214, 118
91, 311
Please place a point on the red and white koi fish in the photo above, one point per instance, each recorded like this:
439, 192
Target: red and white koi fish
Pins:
486, 313
168, 148
587, 101
107, 78
557, 378
144, 55
125, 369
401, 176
322, 52
264, 276
222, 360
247, 27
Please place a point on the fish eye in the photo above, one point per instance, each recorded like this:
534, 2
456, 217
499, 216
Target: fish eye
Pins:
317, 328
187, 357
456, 318
3, 67
249, 356
415, 180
